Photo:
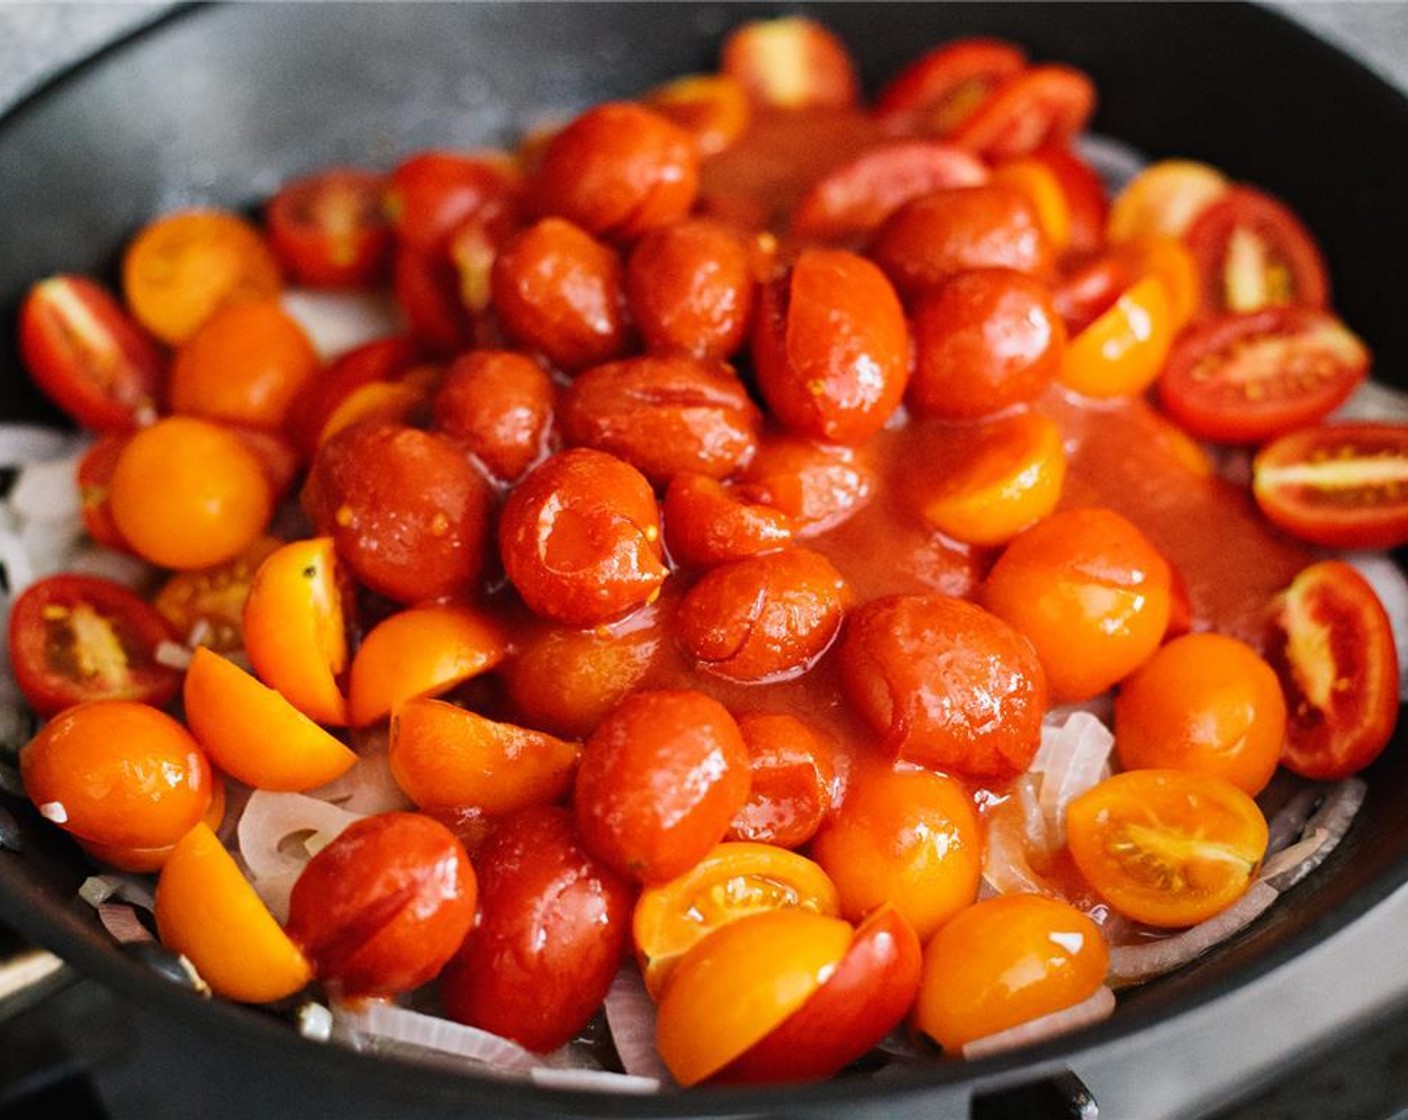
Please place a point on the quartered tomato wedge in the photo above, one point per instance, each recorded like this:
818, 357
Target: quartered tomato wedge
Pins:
1249, 378
328, 229
1333, 648
1165, 198
1167, 847
939, 92
1041, 105
1342, 485
1121, 352
75, 638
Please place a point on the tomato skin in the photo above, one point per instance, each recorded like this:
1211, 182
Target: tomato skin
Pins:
707, 524
943, 88
660, 779
328, 231
1332, 646
793, 781
431, 194
1004, 961
383, 359
415, 528
927, 673
790, 63
1320, 484
553, 925
664, 415
1250, 378
499, 405
713, 108
88, 355
831, 347
75, 638
817, 486
382, 908
1040, 105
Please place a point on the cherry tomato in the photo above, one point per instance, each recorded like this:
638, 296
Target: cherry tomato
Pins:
444, 756
817, 486
1253, 253
983, 342
499, 406
94, 481
328, 230
187, 493
403, 401
246, 364
118, 773
580, 538
560, 292
661, 778
88, 355
932, 239
618, 170
1203, 702
946, 86
382, 908
944, 684
553, 925
1042, 189
690, 287
1004, 961
1084, 193
426, 286
1167, 847
1040, 105
831, 347
145, 860
1122, 351
383, 359
1338, 484
432, 194
1333, 648
413, 529
1249, 378
706, 523
75, 638
664, 415
793, 781
790, 63
209, 604
1165, 198
713, 108
764, 618
855, 199
184, 266
1090, 592
1167, 259
907, 838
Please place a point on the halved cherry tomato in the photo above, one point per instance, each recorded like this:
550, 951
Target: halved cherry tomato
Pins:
213, 599
1249, 378
328, 229
712, 108
381, 360
1167, 847
793, 781
1165, 198
1038, 182
741, 982
94, 480
88, 355
1253, 253
1342, 485
790, 63
253, 734
1004, 961
1333, 647
207, 911
423, 651
707, 523
145, 860
943, 88
733, 881
75, 638
443, 756
1040, 105
1121, 353
1203, 702
431, 194
184, 266
294, 631
1084, 192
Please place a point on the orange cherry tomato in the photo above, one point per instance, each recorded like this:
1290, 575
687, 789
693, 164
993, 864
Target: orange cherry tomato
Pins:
186, 493
1004, 961
1122, 351
793, 781
790, 63
119, 773
817, 486
1167, 847
707, 523
910, 838
1170, 261
499, 406
254, 734
733, 881
184, 266
738, 984
713, 108
207, 911
1043, 190
944, 87
444, 756
210, 602
1165, 198
328, 230
144, 860
422, 651
1038, 106
246, 364
1090, 592
1203, 702
294, 628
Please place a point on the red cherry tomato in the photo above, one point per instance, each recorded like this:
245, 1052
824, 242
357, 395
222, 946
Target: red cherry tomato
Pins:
88, 354
432, 194
1039, 106
945, 87
817, 486
707, 523
75, 638
553, 925
1085, 196
1249, 378
427, 291
1341, 485
95, 472
384, 359
382, 908
328, 230
499, 406
793, 781
791, 63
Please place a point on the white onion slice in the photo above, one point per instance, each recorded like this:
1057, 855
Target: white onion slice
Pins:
173, 655
1287, 823
49, 544
337, 321
1115, 161
1006, 868
593, 1080
14, 558
47, 490
630, 1016
1333, 818
273, 822
1391, 586
98, 889
1083, 1014
23, 444
122, 923
368, 787
1292, 856
1376, 402
374, 1024
1132, 963
93, 559
1076, 752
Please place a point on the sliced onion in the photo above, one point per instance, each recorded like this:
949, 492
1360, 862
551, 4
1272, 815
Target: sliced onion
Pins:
1083, 1014
49, 544
1132, 963
272, 823
1006, 868
314, 1021
1333, 818
593, 1080
121, 567
368, 787
173, 655
1287, 858
122, 923
1391, 586
373, 1024
1115, 161
1286, 821
630, 1016
23, 444
47, 490
98, 889
337, 321
1374, 401
1077, 751
14, 558
276, 892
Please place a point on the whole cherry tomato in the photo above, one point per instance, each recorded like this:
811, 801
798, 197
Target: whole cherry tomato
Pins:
790, 63
499, 405
793, 781
690, 287
328, 230
944, 87
431, 194
707, 523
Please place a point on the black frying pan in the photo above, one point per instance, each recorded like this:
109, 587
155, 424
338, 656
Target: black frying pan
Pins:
219, 104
